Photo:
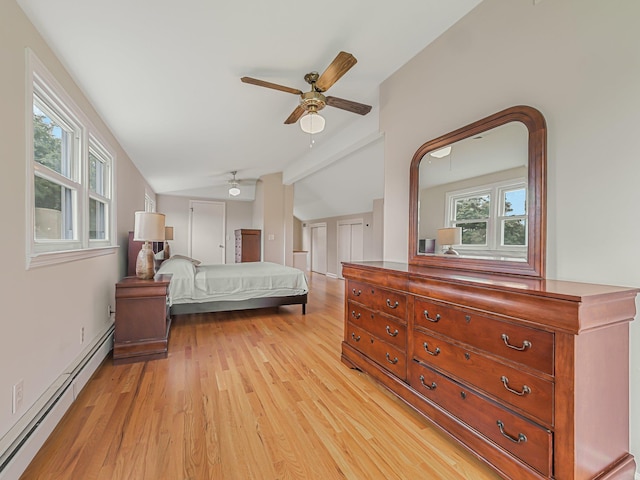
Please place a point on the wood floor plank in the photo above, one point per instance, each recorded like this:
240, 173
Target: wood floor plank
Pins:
259, 395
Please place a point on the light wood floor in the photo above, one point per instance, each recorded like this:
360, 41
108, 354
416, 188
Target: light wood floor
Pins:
249, 395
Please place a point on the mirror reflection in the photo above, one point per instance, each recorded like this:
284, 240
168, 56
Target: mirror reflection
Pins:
473, 196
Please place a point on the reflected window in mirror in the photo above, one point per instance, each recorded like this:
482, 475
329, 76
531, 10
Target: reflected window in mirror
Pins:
488, 179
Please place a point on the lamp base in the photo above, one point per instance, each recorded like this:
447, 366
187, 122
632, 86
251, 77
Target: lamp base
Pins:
166, 251
145, 268
450, 251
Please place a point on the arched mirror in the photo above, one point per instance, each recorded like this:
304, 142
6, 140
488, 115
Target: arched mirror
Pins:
478, 196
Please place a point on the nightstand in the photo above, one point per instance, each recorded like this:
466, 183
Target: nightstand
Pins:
142, 319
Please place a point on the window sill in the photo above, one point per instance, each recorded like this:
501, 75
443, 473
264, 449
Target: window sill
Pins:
52, 258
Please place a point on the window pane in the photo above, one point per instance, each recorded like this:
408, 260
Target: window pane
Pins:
514, 232
472, 208
474, 233
51, 143
96, 174
515, 202
54, 210
97, 230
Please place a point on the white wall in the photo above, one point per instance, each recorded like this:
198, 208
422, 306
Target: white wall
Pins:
578, 62
40, 325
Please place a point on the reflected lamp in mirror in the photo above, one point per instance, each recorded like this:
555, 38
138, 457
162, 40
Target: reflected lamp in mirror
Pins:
148, 227
168, 235
449, 237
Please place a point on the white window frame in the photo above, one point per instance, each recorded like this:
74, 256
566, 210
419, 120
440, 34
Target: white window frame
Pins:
41, 83
494, 222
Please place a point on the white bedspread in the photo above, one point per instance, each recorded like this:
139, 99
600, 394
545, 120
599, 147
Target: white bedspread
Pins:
236, 281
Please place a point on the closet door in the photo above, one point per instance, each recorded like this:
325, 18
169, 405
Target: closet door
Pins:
207, 232
350, 242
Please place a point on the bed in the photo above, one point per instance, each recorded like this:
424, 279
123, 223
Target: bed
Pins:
197, 288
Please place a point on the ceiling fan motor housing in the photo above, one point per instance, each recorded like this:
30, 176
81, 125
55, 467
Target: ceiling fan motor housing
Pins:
313, 101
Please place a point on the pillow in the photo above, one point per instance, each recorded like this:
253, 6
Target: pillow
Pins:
183, 257
159, 255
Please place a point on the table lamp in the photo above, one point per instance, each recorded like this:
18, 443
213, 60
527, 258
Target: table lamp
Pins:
168, 235
149, 227
449, 236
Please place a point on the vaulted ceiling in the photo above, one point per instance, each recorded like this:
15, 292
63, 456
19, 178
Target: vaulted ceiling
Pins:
165, 77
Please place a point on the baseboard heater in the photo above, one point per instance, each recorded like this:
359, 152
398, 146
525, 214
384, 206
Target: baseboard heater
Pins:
20, 445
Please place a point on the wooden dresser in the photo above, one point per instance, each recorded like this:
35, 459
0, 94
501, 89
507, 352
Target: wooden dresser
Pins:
531, 375
248, 245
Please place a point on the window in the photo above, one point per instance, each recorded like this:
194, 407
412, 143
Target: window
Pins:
70, 177
492, 217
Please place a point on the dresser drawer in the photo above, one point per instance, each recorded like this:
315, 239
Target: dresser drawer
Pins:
526, 440
382, 326
380, 299
517, 343
386, 355
529, 393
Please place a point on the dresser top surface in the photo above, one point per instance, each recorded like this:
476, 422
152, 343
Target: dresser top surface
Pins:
566, 290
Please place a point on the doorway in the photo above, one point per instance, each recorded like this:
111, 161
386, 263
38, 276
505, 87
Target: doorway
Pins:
319, 248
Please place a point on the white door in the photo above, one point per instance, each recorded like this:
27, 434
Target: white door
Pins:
350, 242
207, 232
319, 248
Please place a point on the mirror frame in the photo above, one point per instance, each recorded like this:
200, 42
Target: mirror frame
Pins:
535, 263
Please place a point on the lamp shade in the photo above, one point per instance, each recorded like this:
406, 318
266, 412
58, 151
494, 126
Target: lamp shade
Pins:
450, 236
168, 233
234, 191
149, 227
312, 123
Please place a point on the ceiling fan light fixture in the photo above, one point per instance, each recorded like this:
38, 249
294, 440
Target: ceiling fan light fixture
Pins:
312, 123
234, 191
443, 152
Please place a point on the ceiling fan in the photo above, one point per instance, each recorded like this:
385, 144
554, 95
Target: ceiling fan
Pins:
234, 183
313, 101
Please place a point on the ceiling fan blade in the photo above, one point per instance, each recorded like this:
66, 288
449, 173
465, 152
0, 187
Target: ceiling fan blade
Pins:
350, 106
340, 65
275, 86
295, 115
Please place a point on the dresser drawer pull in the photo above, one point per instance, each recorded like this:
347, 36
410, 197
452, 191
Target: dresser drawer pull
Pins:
355, 315
394, 333
434, 320
426, 349
526, 344
525, 390
395, 305
358, 293
428, 387
353, 335
392, 362
521, 436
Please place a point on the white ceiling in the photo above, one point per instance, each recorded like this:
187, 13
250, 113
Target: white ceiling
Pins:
165, 77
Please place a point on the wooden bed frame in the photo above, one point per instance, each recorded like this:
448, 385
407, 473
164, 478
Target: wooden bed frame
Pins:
229, 305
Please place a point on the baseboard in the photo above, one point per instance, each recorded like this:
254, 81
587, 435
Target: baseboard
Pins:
22, 442
331, 275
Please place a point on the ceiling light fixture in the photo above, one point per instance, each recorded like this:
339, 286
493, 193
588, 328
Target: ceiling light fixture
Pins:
443, 152
312, 122
234, 190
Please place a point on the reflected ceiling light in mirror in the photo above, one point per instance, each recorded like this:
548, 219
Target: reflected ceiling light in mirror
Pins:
443, 152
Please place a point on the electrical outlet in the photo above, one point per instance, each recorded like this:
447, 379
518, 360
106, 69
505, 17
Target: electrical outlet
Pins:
18, 396
81, 335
